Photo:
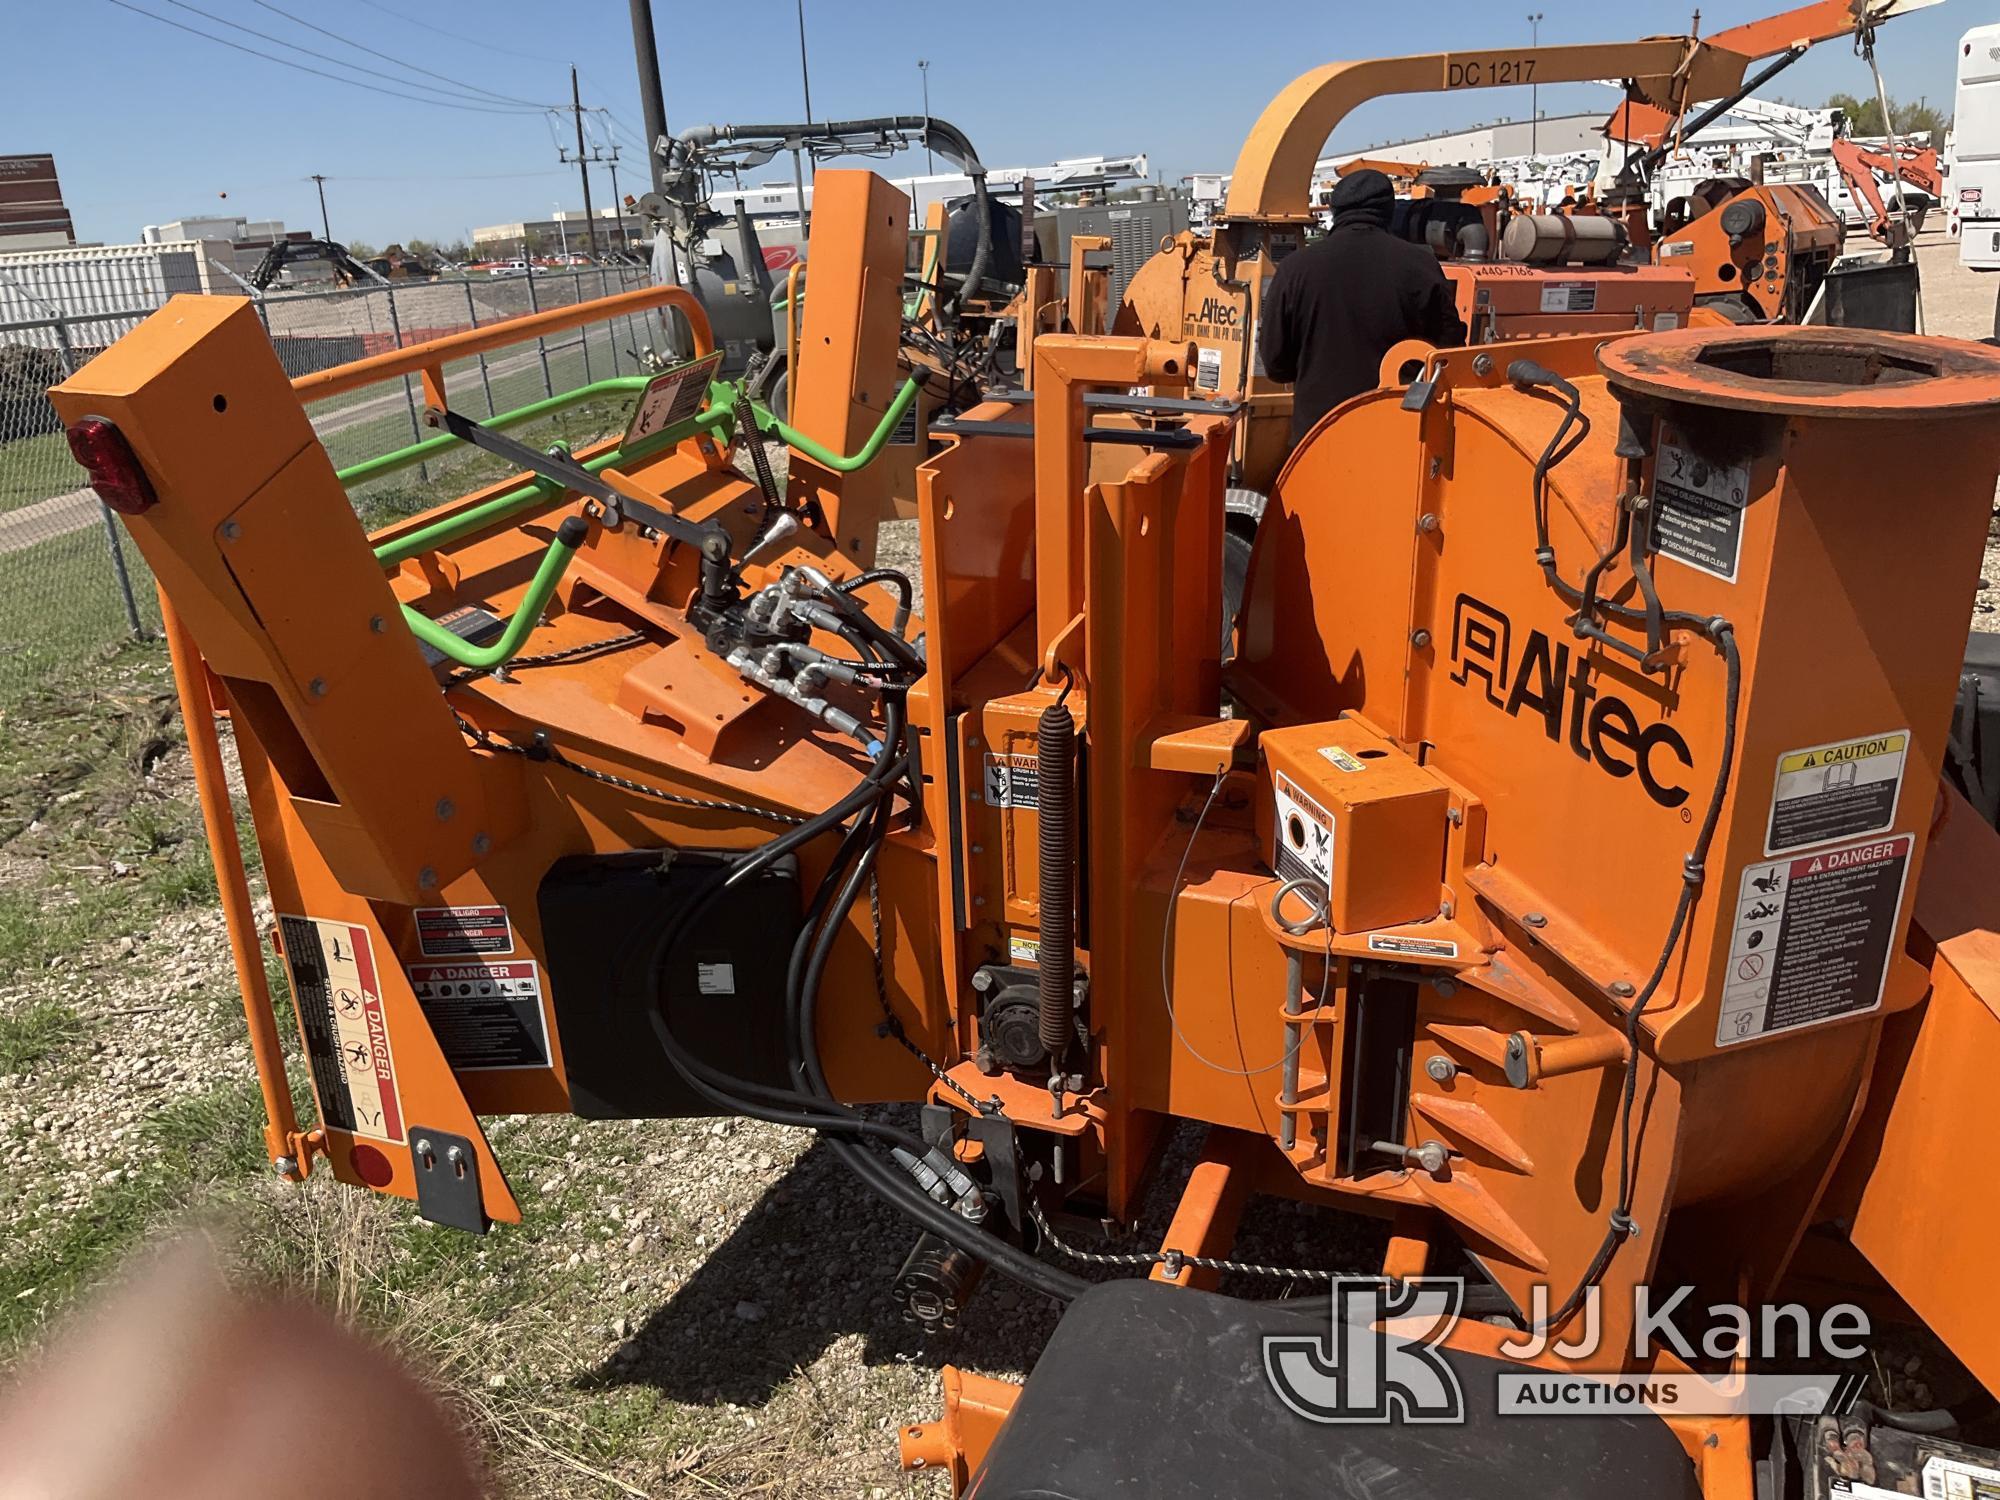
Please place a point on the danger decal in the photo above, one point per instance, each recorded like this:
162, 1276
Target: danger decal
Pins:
338, 991
486, 1015
458, 931
1812, 938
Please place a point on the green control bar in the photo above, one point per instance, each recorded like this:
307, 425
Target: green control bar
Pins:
555, 562
718, 418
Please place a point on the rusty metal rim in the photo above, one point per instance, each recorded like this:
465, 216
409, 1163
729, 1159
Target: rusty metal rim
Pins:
1676, 367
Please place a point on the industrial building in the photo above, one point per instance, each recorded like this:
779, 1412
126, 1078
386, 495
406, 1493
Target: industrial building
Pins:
247, 239
562, 233
32, 213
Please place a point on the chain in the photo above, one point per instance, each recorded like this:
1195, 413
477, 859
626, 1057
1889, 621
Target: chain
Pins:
543, 750
892, 1025
1174, 1260
549, 658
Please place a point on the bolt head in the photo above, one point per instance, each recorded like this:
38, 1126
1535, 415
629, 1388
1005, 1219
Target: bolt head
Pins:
285, 1166
427, 878
1441, 1068
481, 842
317, 687
377, 624
1482, 365
1623, 989
445, 808
1420, 638
1535, 919
1432, 1156
231, 530
454, 1154
1427, 522
982, 980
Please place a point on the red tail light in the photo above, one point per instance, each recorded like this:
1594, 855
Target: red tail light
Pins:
113, 467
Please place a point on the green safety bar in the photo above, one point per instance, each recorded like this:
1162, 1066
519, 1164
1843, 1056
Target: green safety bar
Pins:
569, 536
718, 416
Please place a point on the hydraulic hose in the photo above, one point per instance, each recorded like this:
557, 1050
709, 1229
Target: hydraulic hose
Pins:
1055, 772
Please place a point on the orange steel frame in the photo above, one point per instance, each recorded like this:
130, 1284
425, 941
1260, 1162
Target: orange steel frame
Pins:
1091, 569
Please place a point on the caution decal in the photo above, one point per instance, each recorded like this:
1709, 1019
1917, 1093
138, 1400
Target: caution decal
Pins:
1812, 938
1845, 790
339, 995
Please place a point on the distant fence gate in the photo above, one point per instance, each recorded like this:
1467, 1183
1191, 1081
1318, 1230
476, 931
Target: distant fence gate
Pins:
71, 584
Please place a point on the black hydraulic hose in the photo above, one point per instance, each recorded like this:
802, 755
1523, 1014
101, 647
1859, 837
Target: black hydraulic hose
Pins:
1055, 888
891, 579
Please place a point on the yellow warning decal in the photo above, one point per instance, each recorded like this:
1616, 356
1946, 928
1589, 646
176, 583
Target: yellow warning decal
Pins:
1840, 755
1843, 790
1342, 758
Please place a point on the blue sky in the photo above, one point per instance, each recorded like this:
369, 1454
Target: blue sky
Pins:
148, 123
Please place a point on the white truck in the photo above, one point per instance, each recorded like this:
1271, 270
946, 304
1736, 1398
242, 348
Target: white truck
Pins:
1976, 152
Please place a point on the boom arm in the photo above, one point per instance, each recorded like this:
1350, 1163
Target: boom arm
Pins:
1273, 176
1642, 122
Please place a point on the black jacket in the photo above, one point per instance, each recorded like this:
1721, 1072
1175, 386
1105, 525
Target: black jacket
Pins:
1336, 307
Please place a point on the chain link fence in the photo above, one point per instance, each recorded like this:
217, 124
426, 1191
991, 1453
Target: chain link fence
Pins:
72, 585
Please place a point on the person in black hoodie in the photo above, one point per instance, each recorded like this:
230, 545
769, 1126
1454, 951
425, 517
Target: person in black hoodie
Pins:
1335, 308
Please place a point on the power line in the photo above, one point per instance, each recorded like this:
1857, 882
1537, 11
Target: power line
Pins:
395, 61
472, 41
323, 57
286, 62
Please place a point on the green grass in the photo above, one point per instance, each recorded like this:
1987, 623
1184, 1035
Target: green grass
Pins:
36, 468
36, 1033
205, 1140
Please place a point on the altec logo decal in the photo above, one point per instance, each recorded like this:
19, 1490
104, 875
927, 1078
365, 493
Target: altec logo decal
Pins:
1546, 681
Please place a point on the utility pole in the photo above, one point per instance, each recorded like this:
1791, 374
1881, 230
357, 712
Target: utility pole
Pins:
320, 182
618, 203
1535, 91
924, 72
805, 75
582, 163
652, 98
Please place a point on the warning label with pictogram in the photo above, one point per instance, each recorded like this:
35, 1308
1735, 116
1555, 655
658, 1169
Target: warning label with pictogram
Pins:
1812, 938
486, 1015
1013, 781
1304, 836
339, 995
1698, 508
455, 931
1846, 790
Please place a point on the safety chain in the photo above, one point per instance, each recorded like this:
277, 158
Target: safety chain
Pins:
892, 1025
1175, 1261
543, 749
548, 658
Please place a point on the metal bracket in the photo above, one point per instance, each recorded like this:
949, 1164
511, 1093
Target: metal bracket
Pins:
447, 1171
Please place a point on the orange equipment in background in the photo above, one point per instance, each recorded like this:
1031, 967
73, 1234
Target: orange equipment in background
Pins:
1532, 276
1558, 880
1758, 252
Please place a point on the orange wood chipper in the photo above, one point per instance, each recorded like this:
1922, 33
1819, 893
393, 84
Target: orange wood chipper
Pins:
1559, 879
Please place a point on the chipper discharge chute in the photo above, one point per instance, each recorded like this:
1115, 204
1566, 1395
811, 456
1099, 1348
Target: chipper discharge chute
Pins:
1559, 879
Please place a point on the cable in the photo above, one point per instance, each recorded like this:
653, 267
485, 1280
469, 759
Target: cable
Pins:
1166, 949
472, 88
1722, 635
524, 105
285, 62
470, 41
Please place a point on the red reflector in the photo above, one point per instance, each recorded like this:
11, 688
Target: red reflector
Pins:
113, 467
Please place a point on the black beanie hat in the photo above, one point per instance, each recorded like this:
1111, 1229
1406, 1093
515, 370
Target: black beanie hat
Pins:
1366, 189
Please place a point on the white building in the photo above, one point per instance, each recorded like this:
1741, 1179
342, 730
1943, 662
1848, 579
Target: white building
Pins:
247, 239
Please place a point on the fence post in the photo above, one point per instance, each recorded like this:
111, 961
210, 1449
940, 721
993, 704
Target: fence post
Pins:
541, 344
583, 333
611, 328
485, 382
409, 391
118, 568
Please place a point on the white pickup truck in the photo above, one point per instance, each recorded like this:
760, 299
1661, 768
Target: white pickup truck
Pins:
1975, 171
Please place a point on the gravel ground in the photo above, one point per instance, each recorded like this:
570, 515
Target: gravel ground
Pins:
1960, 304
